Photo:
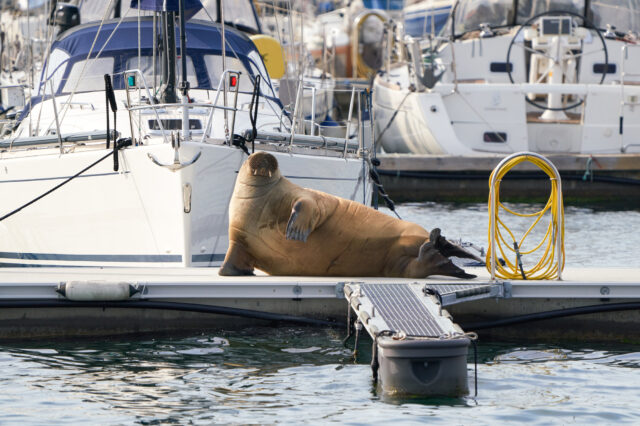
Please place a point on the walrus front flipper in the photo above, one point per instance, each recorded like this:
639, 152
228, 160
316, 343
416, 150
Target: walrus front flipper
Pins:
236, 262
448, 249
431, 261
302, 221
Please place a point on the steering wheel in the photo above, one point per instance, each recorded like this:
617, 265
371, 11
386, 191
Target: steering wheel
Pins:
587, 24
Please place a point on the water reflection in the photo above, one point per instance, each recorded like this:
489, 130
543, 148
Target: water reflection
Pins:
294, 375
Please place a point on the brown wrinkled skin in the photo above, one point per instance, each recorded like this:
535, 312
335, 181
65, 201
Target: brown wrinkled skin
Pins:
347, 238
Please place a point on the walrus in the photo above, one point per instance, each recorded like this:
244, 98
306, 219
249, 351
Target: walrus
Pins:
284, 229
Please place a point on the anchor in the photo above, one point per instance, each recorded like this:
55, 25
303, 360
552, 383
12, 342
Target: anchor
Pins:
176, 165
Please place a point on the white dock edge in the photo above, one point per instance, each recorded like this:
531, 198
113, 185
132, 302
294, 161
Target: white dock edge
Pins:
190, 283
312, 297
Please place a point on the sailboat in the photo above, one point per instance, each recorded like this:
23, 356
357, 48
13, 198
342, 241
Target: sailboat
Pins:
550, 77
116, 162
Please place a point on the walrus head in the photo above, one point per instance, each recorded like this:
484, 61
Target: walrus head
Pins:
260, 167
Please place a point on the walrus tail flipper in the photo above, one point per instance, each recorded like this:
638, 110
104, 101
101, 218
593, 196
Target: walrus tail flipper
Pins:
431, 261
303, 219
448, 249
236, 262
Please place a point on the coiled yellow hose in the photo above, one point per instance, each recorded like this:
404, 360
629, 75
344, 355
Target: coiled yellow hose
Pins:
547, 267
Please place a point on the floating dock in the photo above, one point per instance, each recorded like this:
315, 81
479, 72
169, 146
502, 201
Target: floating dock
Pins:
605, 178
420, 347
320, 298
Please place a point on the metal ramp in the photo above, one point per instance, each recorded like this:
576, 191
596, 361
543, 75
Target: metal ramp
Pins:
450, 294
418, 349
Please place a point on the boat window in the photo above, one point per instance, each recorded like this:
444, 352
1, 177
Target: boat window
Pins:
257, 66
236, 12
88, 75
624, 15
530, 8
55, 69
214, 69
470, 14
146, 66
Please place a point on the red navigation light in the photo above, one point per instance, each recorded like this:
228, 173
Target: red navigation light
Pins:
233, 80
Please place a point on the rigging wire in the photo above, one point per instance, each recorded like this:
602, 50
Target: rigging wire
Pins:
280, 114
67, 104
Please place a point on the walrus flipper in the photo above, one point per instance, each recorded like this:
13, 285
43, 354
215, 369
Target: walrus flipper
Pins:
448, 249
433, 262
302, 221
236, 262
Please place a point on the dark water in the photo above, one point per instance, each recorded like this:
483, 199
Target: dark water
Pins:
296, 375
301, 375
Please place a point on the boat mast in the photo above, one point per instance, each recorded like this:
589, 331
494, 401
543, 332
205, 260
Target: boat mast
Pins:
168, 88
184, 84
228, 137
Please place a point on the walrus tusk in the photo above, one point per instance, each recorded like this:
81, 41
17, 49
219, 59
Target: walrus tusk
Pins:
269, 173
255, 172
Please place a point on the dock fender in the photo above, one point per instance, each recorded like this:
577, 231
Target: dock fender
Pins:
97, 291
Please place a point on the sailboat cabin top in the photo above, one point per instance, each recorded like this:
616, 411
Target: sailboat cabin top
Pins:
82, 55
621, 16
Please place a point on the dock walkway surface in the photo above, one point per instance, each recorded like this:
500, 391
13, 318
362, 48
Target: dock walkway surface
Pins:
32, 306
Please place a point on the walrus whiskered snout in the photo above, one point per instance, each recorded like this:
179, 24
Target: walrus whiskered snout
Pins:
262, 164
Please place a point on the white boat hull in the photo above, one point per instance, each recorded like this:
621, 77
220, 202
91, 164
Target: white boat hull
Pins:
144, 214
456, 123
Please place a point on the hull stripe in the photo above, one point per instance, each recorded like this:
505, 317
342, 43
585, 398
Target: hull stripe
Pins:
60, 177
94, 257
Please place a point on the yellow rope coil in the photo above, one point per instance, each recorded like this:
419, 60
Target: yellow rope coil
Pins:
547, 267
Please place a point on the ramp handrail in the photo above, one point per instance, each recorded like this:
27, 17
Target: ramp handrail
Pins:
545, 268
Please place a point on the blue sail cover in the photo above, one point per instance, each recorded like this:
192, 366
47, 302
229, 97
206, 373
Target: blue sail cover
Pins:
119, 40
191, 7
114, 37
